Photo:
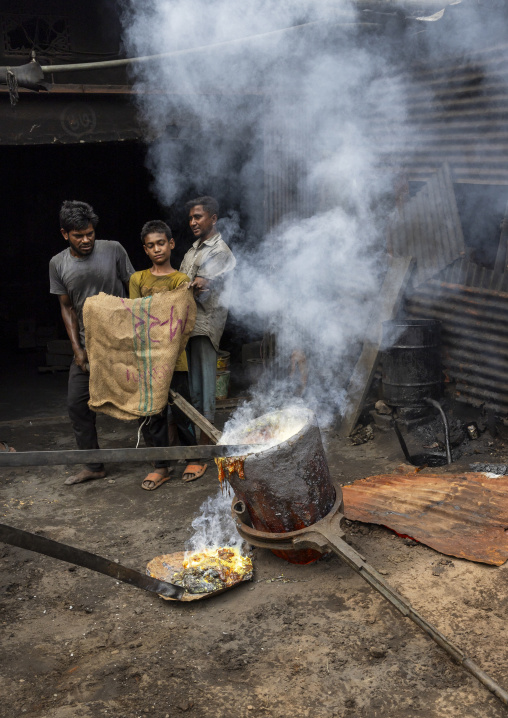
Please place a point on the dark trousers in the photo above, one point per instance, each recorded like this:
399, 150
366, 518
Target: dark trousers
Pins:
82, 418
155, 428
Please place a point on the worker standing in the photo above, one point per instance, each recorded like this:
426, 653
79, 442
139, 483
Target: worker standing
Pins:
85, 268
164, 428
208, 264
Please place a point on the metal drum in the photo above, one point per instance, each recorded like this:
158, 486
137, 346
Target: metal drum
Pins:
411, 362
286, 486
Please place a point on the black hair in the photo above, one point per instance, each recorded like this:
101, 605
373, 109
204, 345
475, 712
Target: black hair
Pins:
209, 204
155, 225
77, 215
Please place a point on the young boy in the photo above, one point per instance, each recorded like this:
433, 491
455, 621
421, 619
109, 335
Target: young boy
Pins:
161, 277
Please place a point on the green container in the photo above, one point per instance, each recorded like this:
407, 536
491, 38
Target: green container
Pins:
222, 384
222, 360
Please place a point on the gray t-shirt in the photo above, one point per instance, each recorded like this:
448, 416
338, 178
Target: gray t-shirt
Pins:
107, 269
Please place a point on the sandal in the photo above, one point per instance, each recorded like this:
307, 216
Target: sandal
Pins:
193, 472
4, 446
155, 480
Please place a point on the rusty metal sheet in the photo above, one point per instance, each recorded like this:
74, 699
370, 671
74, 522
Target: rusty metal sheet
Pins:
463, 515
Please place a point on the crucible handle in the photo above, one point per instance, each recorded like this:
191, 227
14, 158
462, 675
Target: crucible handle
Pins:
323, 538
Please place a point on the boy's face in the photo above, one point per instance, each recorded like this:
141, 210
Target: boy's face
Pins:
158, 247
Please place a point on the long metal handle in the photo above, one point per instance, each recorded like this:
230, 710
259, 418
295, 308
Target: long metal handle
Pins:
322, 539
402, 443
120, 456
64, 552
438, 406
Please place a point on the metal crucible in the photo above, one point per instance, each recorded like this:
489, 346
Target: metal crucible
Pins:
285, 486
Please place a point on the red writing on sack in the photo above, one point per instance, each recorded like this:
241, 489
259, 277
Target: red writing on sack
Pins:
157, 373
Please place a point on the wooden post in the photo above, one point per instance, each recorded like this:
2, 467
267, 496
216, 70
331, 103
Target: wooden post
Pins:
194, 415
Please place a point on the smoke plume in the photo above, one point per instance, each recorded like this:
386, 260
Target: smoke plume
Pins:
282, 123
214, 526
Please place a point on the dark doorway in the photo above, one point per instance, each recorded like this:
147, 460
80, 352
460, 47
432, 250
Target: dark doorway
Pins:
36, 179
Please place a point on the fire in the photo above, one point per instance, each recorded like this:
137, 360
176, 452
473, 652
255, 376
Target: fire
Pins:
213, 569
231, 565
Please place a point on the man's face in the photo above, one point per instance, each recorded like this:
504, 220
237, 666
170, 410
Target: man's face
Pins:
81, 241
158, 247
201, 222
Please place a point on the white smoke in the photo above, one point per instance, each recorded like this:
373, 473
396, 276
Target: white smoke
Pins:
294, 107
298, 124
214, 526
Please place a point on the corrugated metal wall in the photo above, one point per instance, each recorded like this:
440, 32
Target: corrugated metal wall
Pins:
286, 154
287, 148
458, 113
428, 228
474, 338
469, 274
457, 124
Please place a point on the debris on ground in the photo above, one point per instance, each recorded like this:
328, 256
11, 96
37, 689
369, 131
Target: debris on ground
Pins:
362, 435
498, 469
122, 652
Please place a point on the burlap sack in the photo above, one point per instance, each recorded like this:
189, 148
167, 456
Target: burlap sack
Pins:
132, 347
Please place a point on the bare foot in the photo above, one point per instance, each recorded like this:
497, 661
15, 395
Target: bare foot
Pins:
85, 475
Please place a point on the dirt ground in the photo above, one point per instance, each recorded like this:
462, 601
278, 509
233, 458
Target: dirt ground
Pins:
312, 641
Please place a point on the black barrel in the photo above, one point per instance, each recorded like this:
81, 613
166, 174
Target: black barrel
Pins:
411, 361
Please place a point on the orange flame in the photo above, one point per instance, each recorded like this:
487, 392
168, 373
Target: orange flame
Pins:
231, 565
